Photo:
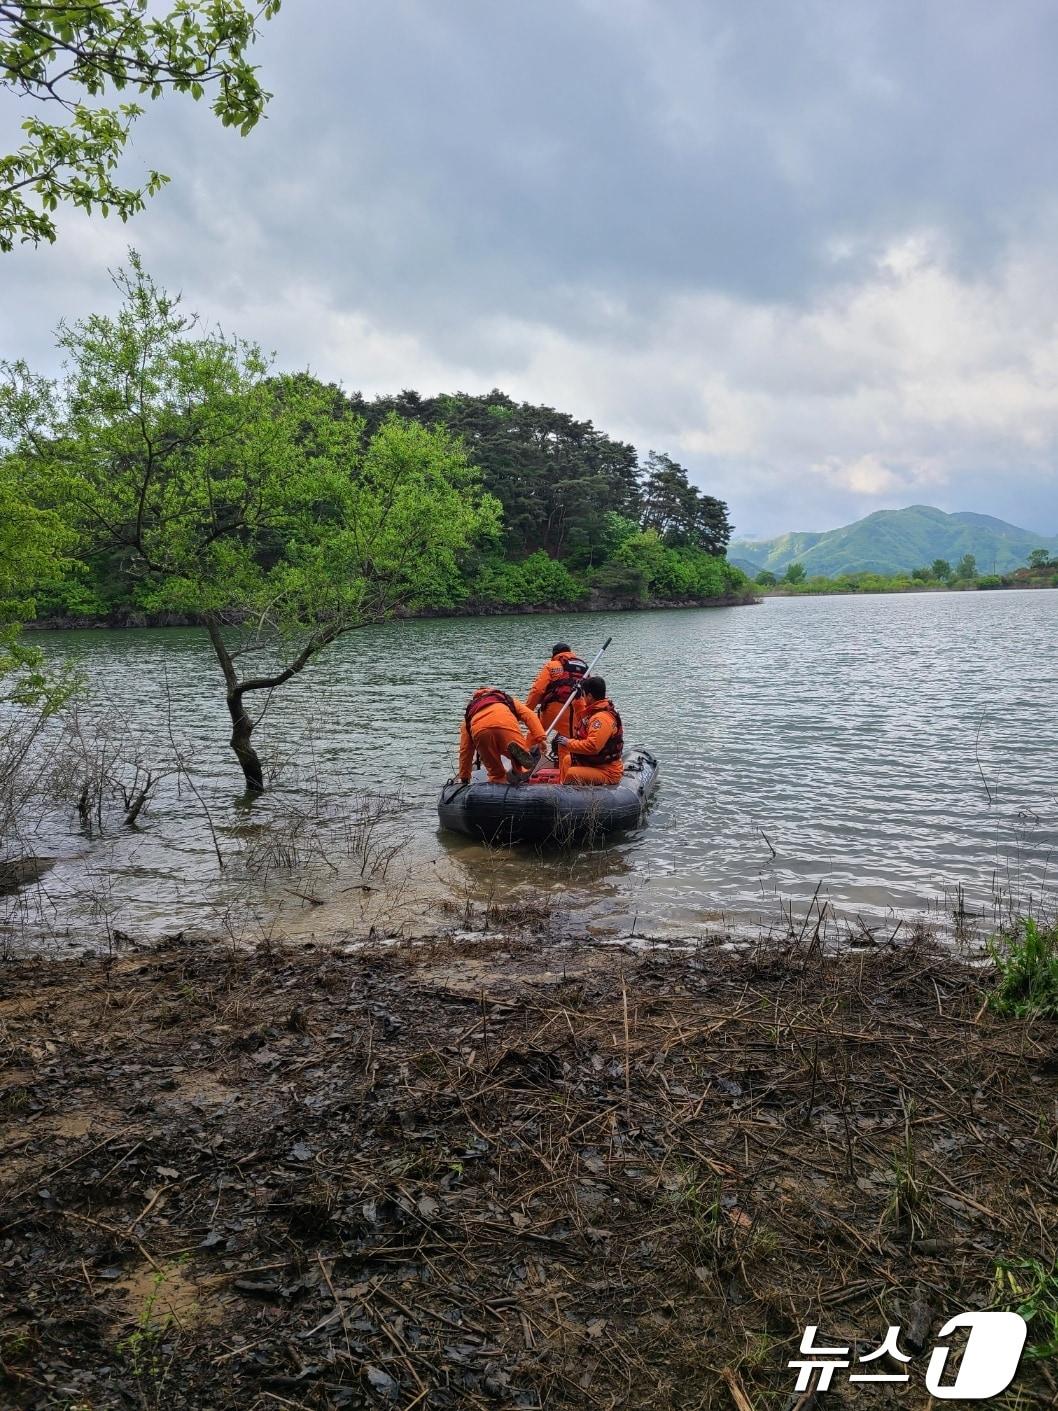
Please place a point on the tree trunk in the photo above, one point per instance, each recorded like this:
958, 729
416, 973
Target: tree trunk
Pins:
241, 731
241, 724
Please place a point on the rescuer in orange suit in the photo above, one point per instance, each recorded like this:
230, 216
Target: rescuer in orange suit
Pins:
555, 682
492, 725
592, 755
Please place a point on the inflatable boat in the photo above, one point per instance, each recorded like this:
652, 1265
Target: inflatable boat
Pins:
545, 811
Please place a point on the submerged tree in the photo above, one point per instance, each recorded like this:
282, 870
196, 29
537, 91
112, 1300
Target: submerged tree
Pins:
255, 504
66, 57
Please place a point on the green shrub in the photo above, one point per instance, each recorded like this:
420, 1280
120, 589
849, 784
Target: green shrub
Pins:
537, 581
1031, 1289
620, 579
1026, 962
545, 580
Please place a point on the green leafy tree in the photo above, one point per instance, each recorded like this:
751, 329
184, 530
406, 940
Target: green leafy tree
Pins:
921, 575
256, 504
643, 554
795, 573
542, 580
966, 567
941, 568
557, 478
766, 579
66, 58
33, 543
678, 511
1039, 558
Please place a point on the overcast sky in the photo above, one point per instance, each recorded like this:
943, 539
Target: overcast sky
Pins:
808, 249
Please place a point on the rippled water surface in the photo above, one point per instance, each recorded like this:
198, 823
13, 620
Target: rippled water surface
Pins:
858, 739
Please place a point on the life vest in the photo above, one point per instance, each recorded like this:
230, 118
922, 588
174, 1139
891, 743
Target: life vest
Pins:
614, 747
487, 698
560, 688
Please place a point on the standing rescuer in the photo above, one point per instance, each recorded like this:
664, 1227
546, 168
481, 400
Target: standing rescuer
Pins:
592, 754
555, 682
492, 725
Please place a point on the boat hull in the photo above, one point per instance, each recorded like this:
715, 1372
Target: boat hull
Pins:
549, 813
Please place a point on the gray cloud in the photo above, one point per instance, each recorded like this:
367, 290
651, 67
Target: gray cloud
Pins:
806, 247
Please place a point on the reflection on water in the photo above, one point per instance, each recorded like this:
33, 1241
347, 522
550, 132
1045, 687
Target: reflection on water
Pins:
849, 744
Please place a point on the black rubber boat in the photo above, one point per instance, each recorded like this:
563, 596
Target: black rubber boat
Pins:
545, 811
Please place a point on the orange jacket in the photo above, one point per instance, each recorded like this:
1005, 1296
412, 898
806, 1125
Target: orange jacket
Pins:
591, 737
550, 671
497, 717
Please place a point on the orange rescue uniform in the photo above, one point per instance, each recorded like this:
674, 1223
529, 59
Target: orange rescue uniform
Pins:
551, 671
492, 730
595, 732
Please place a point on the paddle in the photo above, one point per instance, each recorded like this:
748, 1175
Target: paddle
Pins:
552, 729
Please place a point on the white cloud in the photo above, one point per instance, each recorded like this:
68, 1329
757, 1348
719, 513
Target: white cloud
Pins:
809, 250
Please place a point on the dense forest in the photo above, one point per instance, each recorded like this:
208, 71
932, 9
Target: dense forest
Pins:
173, 475
581, 518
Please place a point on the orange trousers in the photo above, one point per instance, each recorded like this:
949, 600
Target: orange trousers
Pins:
548, 713
492, 742
570, 773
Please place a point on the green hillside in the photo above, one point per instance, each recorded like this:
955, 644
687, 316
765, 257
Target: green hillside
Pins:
895, 541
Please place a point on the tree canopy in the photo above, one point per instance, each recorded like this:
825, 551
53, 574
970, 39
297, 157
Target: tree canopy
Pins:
560, 480
67, 57
258, 505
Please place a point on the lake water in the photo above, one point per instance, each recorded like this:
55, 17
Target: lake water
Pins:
881, 752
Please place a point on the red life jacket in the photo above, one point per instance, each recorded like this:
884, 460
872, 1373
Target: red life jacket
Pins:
487, 698
614, 747
560, 688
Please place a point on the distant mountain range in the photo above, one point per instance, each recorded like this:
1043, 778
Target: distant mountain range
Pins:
895, 541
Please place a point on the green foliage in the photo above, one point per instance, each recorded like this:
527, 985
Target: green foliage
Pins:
1039, 558
766, 578
966, 567
941, 568
73, 55
565, 487
677, 573
221, 491
198, 483
1026, 962
557, 479
255, 504
544, 580
679, 512
617, 530
537, 581
33, 544
620, 580
1029, 1288
990, 580
795, 573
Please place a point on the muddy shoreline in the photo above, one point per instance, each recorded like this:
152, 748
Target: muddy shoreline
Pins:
506, 1171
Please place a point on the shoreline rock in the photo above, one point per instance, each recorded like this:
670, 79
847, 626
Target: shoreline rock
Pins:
128, 618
